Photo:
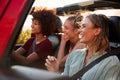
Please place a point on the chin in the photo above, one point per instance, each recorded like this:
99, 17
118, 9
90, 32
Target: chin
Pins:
82, 41
33, 32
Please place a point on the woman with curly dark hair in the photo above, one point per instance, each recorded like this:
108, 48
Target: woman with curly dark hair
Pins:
36, 49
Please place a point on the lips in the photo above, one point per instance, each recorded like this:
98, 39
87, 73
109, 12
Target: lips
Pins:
80, 36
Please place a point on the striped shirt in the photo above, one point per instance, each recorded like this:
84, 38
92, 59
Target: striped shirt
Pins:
107, 69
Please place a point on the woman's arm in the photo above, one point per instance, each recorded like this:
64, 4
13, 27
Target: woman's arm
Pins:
61, 56
62, 61
17, 55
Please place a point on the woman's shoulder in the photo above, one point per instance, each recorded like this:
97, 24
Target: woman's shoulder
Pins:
78, 52
46, 42
31, 39
112, 59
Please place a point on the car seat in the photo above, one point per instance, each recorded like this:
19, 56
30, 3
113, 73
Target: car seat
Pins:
114, 37
55, 38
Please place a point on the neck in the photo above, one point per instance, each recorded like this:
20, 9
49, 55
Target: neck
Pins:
73, 41
39, 38
91, 49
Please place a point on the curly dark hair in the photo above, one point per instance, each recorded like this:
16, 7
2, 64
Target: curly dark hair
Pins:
47, 19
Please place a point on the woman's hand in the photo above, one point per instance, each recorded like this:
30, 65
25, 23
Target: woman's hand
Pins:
65, 38
52, 64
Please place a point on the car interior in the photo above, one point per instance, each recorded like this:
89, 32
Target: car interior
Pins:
27, 73
115, 34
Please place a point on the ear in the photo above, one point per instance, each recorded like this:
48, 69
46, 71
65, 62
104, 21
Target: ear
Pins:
97, 31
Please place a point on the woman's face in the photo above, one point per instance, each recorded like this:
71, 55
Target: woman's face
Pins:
87, 32
69, 30
35, 27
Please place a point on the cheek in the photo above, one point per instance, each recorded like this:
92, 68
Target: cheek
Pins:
66, 31
70, 33
87, 37
37, 29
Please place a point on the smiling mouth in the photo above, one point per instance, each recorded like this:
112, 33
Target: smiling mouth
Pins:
80, 36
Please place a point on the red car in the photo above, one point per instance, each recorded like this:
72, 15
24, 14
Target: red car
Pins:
12, 16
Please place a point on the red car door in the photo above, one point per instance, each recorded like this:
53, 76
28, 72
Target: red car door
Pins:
12, 17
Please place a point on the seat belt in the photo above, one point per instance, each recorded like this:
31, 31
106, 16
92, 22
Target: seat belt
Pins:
33, 45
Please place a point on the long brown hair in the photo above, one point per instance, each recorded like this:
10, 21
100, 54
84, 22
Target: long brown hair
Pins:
101, 21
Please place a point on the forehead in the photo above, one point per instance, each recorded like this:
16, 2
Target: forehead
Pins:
87, 21
68, 23
34, 19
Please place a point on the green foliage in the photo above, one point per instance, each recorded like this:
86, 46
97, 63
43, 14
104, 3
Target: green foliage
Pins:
24, 36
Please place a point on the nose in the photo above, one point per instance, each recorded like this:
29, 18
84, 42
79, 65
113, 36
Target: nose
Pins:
63, 30
79, 30
32, 25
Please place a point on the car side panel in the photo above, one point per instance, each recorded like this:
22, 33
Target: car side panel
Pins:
9, 20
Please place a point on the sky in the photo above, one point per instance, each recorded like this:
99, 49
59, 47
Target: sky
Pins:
56, 3
50, 4
61, 3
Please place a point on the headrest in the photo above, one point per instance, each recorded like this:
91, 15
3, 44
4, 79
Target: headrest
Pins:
59, 22
114, 29
58, 25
